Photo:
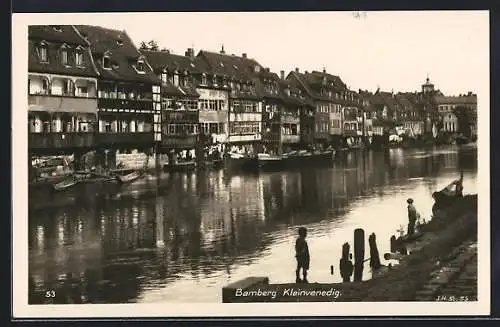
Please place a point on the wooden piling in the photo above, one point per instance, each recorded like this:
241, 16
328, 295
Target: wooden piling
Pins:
393, 243
359, 253
374, 255
345, 266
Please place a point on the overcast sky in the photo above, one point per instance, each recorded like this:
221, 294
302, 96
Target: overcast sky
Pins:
393, 50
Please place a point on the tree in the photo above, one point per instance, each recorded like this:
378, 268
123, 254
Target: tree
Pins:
464, 120
151, 45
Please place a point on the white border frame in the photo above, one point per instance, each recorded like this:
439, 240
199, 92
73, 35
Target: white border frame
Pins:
20, 306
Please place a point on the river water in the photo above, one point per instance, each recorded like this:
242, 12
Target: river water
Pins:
182, 237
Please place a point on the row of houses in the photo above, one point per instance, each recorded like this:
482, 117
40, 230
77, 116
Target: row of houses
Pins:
90, 87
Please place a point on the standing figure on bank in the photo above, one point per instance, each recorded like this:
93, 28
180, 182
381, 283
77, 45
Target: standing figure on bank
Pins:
412, 217
302, 256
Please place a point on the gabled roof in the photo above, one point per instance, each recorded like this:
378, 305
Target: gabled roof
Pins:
122, 52
54, 39
56, 33
164, 61
236, 67
312, 83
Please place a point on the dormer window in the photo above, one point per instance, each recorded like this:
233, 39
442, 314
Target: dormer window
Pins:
79, 57
42, 52
214, 80
119, 42
192, 65
57, 29
204, 79
176, 79
106, 62
64, 57
140, 66
164, 77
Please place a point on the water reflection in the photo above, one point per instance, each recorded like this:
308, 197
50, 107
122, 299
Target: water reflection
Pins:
181, 237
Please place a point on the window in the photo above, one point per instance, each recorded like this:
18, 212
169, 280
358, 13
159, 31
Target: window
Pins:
204, 79
164, 77
42, 53
64, 57
140, 66
214, 80
106, 62
79, 58
176, 79
81, 91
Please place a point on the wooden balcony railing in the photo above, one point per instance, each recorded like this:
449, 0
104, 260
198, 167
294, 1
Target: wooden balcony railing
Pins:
106, 103
125, 138
45, 141
179, 141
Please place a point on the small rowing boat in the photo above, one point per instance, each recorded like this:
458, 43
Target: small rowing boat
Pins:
128, 178
65, 184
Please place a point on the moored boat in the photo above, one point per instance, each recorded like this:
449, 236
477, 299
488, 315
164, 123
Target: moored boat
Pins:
65, 184
295, 159
130, 177
182, 166
241, 162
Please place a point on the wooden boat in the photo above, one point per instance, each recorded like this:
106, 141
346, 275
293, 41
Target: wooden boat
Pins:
130, 177
295, 159
65, 184
181, 166
240, 162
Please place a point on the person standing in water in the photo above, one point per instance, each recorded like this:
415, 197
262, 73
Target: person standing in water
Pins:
412, 217
302, 256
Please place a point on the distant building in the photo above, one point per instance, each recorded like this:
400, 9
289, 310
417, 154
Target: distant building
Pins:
326, 91
447, 106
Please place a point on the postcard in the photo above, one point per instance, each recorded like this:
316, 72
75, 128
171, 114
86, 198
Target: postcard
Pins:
250, 164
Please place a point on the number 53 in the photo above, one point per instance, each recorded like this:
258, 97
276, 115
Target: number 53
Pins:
50, 293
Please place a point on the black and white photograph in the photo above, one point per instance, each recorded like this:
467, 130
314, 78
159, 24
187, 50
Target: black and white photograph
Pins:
204, 164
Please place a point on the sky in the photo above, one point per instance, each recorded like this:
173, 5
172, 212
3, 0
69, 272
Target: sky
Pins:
391, 50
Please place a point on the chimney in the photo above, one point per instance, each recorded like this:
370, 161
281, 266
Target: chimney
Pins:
244, 55
222, 50
297, 69
324, 70
306, 72
267, 69
189, 52
282, 74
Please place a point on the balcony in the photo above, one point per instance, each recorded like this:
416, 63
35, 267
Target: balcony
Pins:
179, 141
47, 141
181, 116
271, 116
62, 103
290, 138
125, 139
106, 103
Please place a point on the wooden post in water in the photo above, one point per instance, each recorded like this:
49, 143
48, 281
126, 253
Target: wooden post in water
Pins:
345, 264
394, 247
374, 255
359, 253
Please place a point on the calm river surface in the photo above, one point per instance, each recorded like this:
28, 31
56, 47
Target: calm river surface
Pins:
182, 237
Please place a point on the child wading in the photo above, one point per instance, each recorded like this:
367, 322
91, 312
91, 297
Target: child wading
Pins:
302, 255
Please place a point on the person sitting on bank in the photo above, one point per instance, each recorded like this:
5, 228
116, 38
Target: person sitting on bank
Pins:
302, 256
412, 216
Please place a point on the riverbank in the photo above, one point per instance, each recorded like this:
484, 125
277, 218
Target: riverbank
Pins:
443, 256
